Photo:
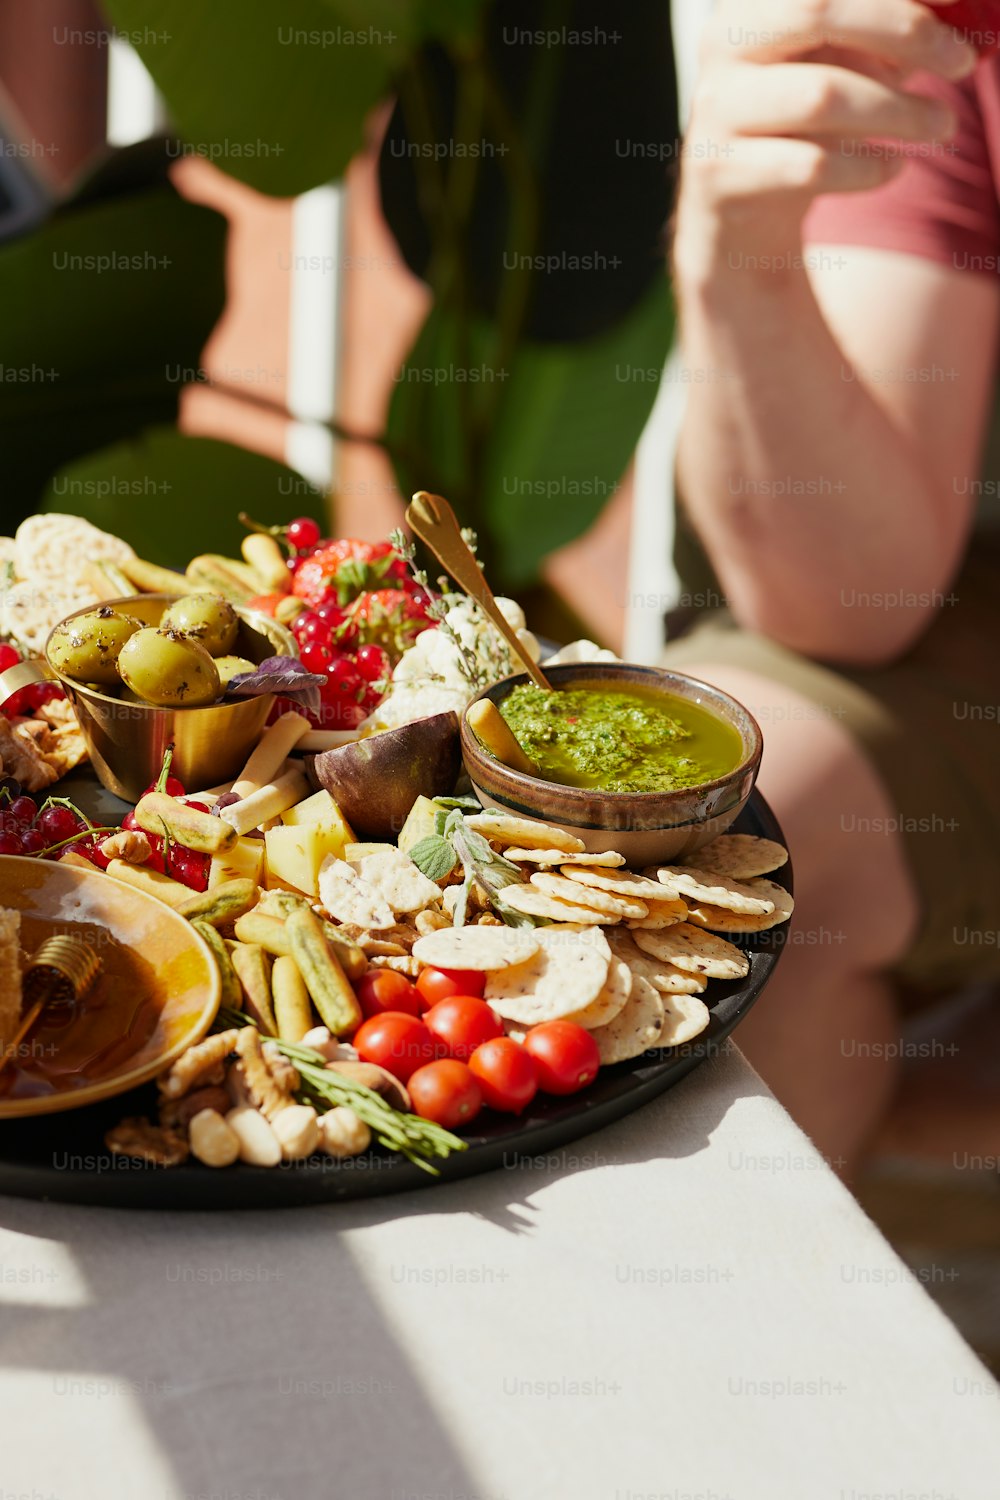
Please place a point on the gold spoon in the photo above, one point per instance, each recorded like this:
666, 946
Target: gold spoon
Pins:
432, 519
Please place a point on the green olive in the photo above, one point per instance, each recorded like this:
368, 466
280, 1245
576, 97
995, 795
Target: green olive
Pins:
208, 617
230, 667
169, 669
86, 648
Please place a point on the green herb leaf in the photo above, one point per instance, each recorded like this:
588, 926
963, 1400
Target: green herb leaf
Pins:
434, 857
467, 804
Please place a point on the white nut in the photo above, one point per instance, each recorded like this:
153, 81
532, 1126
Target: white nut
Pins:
343, 1133
259, 1146
212, 1141
297, 1129
321, 1040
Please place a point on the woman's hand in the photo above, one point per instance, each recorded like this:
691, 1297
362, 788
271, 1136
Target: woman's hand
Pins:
790, 96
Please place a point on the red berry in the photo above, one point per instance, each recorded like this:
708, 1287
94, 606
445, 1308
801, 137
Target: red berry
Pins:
314, 630
189, 867
23, 810
373, 663
9, 656
9, 842
344, 676
317, 657
58, 823
90, 849
338, 711
302, 533
33, 841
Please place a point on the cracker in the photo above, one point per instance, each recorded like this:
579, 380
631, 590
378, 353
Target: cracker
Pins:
567, 974
561, 857
685, 1017
686, 881
740, 856
501, 827
397, 879
488, 949
665, 977
404, 964
636, 1028
54, 548
598, 900
718, 919
611, 1000
618, 882
695, 951
348, 897
662, 913
536, 903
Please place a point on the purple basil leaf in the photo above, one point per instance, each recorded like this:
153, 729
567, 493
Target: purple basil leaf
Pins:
280, 674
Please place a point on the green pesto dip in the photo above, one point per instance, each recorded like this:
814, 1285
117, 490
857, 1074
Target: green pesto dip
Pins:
632, 741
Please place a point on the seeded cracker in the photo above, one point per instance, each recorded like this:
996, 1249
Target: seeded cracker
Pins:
618, 882
570, 890
536, 903
637, 1028
396, 878
686, 881
567, 974
610, 1002
740, 856
503, 827
665, 977
483, 948
662, 914
561, 857
717, 919
696, 951
685, 1017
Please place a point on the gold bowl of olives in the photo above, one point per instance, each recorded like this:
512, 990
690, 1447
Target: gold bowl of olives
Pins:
151, 670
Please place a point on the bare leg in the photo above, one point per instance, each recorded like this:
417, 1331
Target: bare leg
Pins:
819, 1035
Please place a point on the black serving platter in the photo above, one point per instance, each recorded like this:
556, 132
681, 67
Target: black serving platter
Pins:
63, 1158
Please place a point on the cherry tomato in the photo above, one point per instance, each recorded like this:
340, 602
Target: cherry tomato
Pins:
463, 1023
383, 990
507, 1074
565, 1055
441, 984
446, 1092
397, 1042
9, 656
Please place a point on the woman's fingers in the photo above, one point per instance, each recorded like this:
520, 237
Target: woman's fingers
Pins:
902, 32
756, 168
815, 99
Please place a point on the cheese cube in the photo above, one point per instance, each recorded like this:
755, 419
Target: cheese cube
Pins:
244, 860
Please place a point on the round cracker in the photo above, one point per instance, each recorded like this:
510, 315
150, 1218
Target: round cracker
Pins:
611, 1000
501, 827
560, 857
487, 949
685, 1017
618, 882
585, 895
567, 974
718, 919
636, 1028
662, 913
536, 903
740, 856
695, 951
686, 881
665, 977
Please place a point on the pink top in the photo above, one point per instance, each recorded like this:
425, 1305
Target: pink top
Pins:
945, 204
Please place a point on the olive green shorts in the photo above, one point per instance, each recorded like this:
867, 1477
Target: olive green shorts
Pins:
930, 723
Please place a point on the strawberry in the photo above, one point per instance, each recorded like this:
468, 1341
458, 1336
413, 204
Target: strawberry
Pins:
343, 569
390, 618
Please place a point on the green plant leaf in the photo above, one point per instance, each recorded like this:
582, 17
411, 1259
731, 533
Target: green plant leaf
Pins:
173, 496
548, 439
106, 306
434, 856
278, 95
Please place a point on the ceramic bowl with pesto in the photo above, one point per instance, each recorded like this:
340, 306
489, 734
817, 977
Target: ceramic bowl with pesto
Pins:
653, 764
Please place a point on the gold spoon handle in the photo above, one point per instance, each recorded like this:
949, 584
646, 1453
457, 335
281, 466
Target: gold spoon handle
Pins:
432, 519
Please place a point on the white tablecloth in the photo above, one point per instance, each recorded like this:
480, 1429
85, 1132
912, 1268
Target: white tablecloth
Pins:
685, 1306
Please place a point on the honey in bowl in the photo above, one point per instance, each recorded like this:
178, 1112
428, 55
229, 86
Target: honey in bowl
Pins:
627, 739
